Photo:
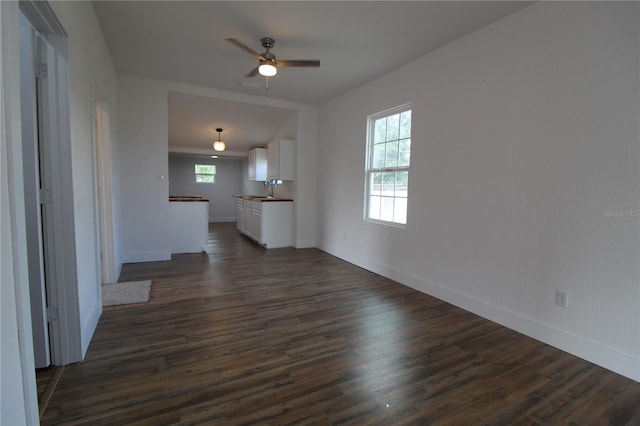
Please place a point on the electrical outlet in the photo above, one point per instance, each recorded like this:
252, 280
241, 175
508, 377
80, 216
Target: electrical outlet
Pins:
562, 299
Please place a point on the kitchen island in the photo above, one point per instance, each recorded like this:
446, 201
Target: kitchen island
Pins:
188, 223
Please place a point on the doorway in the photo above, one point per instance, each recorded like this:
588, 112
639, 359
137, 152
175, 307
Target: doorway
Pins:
34, 190
47, 187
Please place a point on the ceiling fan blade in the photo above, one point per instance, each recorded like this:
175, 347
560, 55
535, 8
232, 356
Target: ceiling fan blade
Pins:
253, 72
246, 48
298, 63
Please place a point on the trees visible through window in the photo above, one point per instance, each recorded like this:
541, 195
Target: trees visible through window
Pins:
205, 173
388, 159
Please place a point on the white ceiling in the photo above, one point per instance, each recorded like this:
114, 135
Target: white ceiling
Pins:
356, 41
193, 121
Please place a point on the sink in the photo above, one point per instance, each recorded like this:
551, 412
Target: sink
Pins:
256, 197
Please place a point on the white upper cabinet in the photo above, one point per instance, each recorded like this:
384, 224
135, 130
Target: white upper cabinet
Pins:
281, 160
258, 164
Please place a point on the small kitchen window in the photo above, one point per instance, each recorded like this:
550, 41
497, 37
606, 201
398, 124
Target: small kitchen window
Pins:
205, 173
387, 166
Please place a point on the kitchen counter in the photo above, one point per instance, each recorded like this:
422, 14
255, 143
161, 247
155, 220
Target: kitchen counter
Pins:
262, 198
267, 221
188, 198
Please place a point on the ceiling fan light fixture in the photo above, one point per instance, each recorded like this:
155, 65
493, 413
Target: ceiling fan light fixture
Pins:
267, 69
219, 145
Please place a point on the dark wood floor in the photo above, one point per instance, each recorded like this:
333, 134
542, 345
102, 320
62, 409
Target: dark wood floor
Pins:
242, 335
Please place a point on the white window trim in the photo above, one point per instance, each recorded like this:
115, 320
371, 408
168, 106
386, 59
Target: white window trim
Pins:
196, 174
369, 158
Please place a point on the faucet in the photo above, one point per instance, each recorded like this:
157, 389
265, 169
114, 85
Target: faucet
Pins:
272, 183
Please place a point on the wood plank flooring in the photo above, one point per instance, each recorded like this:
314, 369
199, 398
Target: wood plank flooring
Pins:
46, 382
243, 336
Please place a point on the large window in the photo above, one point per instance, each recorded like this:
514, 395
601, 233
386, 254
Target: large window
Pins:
205, 173
387, 173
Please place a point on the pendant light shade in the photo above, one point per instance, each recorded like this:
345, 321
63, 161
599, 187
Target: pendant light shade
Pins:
219, 145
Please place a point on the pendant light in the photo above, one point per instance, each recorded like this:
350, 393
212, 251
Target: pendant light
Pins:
219, 145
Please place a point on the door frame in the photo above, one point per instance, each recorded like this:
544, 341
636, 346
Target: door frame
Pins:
29, 42
62, 282
102, 169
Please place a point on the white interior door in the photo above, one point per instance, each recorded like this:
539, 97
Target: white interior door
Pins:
33, 195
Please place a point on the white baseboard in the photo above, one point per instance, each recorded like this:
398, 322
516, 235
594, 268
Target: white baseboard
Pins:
611, 359
118, 270
146, 256
90, 324
222, 219
305, 243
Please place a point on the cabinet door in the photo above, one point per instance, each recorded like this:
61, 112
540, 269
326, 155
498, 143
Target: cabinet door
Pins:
256, 225
239, 217
281, 159
258, 164
252, 164
248, 220
240, 214
273, 157
261, 164
277, 224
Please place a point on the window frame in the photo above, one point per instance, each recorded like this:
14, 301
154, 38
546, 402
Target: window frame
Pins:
196, 174
370, 170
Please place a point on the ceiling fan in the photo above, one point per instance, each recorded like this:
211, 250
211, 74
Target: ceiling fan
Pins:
268, 64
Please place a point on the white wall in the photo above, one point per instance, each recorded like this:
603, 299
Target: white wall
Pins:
222, 204
18, 403
143, 153
306, 176
90, 68
525, 144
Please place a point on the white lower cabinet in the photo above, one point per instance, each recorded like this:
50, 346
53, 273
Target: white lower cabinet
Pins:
256, 224
240, 214
248, 218
277, 224
269, 223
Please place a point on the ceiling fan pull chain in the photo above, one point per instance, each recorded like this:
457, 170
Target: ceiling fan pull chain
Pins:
266, 86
